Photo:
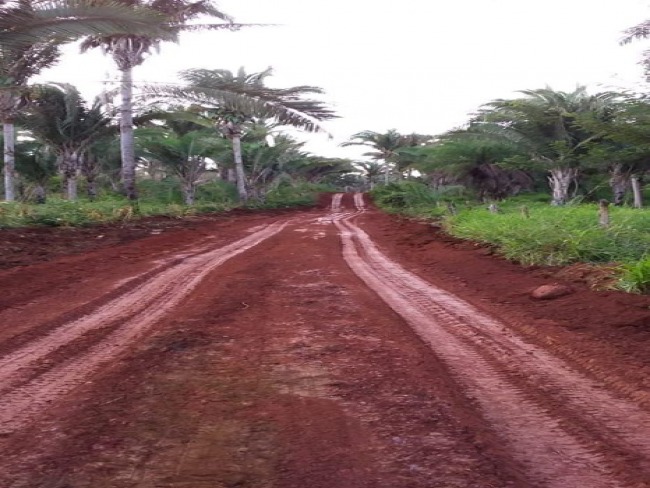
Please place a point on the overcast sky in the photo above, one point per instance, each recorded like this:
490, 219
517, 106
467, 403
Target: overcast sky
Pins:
413, 65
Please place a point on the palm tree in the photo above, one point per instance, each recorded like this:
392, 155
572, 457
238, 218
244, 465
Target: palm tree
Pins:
30, 33
17, 66
459, 157
372, 171
60, 118
130, 50
36, 163
186, 153
233, 100
383, 145
543, 124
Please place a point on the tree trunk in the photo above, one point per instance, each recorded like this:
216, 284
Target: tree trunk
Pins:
231, 176
72, 188
560, 181
9, 160
40, 193
636, 190
127, 144
619, 183
239, 168
69, 169
386, 172
189, 191
91, 189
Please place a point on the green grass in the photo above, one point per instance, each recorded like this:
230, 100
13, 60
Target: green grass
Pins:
635, 277
557, 235
156, 198
62, 213
543, 235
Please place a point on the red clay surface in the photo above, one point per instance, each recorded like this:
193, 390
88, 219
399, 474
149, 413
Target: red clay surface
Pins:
335, 347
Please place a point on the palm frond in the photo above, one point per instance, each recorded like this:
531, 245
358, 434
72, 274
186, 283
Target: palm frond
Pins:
67, 20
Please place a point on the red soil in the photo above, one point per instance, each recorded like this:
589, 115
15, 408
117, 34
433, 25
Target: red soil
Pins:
280, 367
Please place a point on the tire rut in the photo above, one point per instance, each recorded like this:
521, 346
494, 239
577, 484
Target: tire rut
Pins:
490, 363
137, 311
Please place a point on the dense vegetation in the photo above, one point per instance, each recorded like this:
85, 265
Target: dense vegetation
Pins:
217, 129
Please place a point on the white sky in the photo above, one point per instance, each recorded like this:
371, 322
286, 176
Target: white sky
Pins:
413, 65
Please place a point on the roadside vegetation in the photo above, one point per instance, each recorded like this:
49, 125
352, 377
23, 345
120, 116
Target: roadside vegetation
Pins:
527, 230
528, 175
214, 141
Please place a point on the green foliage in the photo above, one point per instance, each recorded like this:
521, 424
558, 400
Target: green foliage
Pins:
219, 192
165, 191
635, 277
417, 199
291, 195
404, 194
557, 236
158, 198
63, 213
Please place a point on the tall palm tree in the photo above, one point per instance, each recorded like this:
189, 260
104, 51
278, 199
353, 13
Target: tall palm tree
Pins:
30, 33
384, 146
17, 65
233, 99
130, 50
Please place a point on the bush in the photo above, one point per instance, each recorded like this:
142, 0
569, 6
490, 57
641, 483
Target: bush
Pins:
291, 195
417, 199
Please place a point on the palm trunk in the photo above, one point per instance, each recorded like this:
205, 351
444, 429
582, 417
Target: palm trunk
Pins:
69, 169
40, 193
560, 181
9, 159
386, 172
91, 189
71, 188
239, 168
188, 193
636, 189
127, 144
619, 183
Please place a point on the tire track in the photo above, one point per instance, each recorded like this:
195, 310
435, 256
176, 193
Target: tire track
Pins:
477, 350
137, 311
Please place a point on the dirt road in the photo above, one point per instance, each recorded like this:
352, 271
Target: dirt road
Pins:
336, 347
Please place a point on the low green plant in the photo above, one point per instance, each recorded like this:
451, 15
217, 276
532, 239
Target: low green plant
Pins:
291, 195
556, 235
635, 277
416, 199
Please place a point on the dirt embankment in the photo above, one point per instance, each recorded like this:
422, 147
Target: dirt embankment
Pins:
338, 347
